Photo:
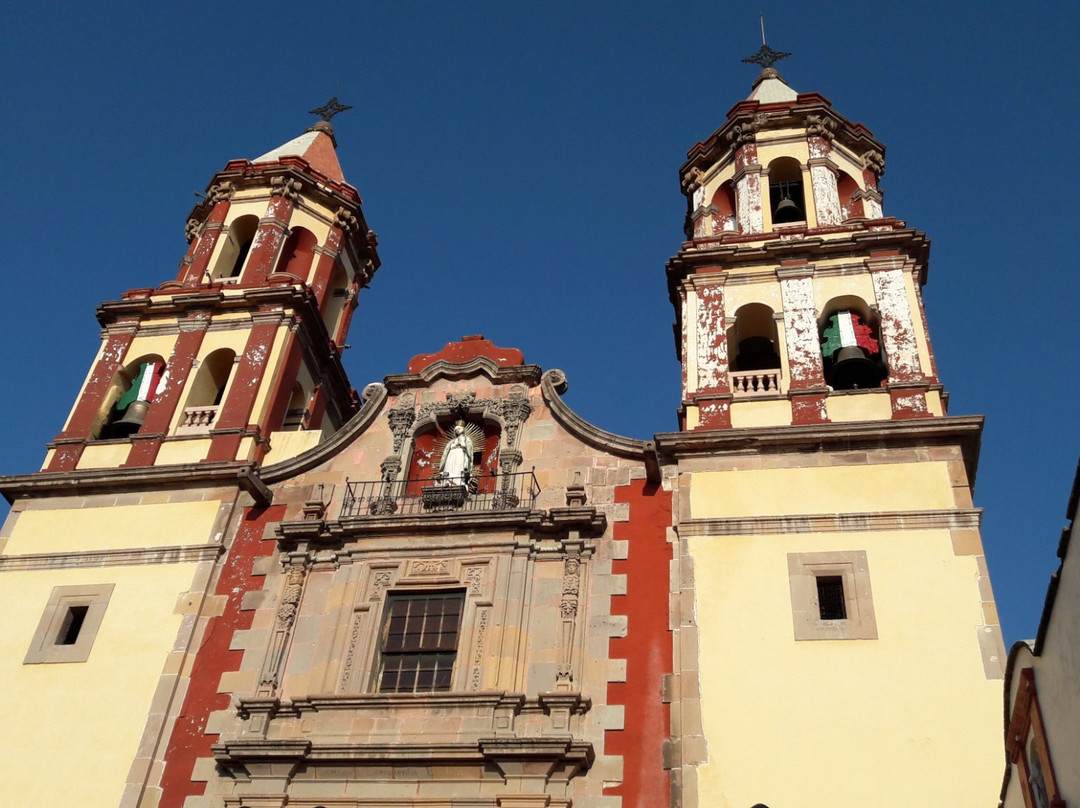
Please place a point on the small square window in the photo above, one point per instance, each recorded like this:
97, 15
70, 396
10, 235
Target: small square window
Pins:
419, 642
69, 624
831, 597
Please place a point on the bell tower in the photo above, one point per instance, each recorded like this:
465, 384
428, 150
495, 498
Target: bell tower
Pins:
239, 357
797, 300
834, 616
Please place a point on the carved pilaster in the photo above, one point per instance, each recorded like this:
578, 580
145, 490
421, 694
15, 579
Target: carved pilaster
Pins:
288, 606
568, 609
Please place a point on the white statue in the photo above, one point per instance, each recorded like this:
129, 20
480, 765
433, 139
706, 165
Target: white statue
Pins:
455, 468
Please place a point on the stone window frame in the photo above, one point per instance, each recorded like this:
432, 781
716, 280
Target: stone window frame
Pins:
1026, 734
425, 596
45, 646
851, 566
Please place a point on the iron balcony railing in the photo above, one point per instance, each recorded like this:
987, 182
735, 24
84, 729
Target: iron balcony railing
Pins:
483, 492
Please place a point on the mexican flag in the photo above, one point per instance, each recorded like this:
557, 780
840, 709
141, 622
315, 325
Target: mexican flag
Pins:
845, 329
147, 384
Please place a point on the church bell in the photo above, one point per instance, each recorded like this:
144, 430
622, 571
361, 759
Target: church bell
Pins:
853, 370
131, 420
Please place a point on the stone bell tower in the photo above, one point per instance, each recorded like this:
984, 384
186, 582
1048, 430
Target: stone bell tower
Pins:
238, 357
843, 621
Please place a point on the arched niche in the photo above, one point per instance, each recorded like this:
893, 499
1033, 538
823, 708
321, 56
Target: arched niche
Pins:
207, 390
337, 291
234, 250
787, 202
297, 252
725, 218
297, 414
851, 352
851, 206
129, 397
425, 455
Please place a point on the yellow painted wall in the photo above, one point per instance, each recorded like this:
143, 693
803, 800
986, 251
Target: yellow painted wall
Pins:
760, 413
182, 451
868, 405
117, 527
907, 719
71, 730
104, 455
825, 489
284, 445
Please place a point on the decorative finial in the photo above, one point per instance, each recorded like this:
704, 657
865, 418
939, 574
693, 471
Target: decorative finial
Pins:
329, 109
766, 56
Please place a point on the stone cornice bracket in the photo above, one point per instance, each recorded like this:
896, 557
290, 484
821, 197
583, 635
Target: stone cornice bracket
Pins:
220, 192
191, 229
345, 220
874, 160
744, 131
288, 187
691, 180
821, 127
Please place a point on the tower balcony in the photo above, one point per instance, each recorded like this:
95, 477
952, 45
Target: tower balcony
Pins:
754, 383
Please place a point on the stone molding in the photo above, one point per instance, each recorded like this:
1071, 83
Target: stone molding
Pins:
442, 369
945, 519
141, 556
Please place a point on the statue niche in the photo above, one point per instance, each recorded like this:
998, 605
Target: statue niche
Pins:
460, 455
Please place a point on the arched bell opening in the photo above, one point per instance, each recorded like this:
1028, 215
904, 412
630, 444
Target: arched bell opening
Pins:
130, 395
297, 414
786, 199
851, 206
436, 459
234, 251
725, 218
754, 339
207, 391
851, 353
337, 291
297, 253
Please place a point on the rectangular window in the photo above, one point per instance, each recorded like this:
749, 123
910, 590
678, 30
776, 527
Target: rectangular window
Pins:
419, 642
69, 624
830, 593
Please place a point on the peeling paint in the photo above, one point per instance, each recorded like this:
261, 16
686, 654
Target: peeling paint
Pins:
801, 334
826, 197
712, 357
897, 329
748, 203
819, 146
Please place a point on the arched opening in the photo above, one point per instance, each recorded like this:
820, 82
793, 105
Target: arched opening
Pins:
786, 199
724, 219
755, 356
337, 291
132, 391
851, 353
234, 251
207, 391
296, 254
846, 189
296, 415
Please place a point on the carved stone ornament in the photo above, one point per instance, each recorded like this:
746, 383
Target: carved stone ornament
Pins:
692, 179
286, 187
220, 192
744, 131
345, 220
290, 598
820, 127
191, 229
401, 419
514, 410
875, 161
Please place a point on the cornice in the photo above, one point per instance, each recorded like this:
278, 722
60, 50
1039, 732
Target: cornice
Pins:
83, 559
963, 431
116, 480
442, 369
553, 385
954, 519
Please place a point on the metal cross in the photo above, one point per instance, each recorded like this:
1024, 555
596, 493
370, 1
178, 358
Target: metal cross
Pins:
329, 109
766, 56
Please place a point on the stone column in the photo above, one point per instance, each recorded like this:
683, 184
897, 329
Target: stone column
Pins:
268, 239
906, 382
203, 250
712, 393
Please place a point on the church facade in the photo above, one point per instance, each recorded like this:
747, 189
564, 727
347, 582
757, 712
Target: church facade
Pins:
237, 582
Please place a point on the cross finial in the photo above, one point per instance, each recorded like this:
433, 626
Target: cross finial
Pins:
329, 109
766, 56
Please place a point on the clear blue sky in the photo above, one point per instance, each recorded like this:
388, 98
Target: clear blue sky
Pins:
519, 162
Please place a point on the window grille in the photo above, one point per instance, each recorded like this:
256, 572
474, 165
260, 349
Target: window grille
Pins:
419, 642
831, 604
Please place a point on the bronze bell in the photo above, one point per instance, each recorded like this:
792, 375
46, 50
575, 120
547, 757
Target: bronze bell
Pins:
852, 369
788, 211
132, 419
